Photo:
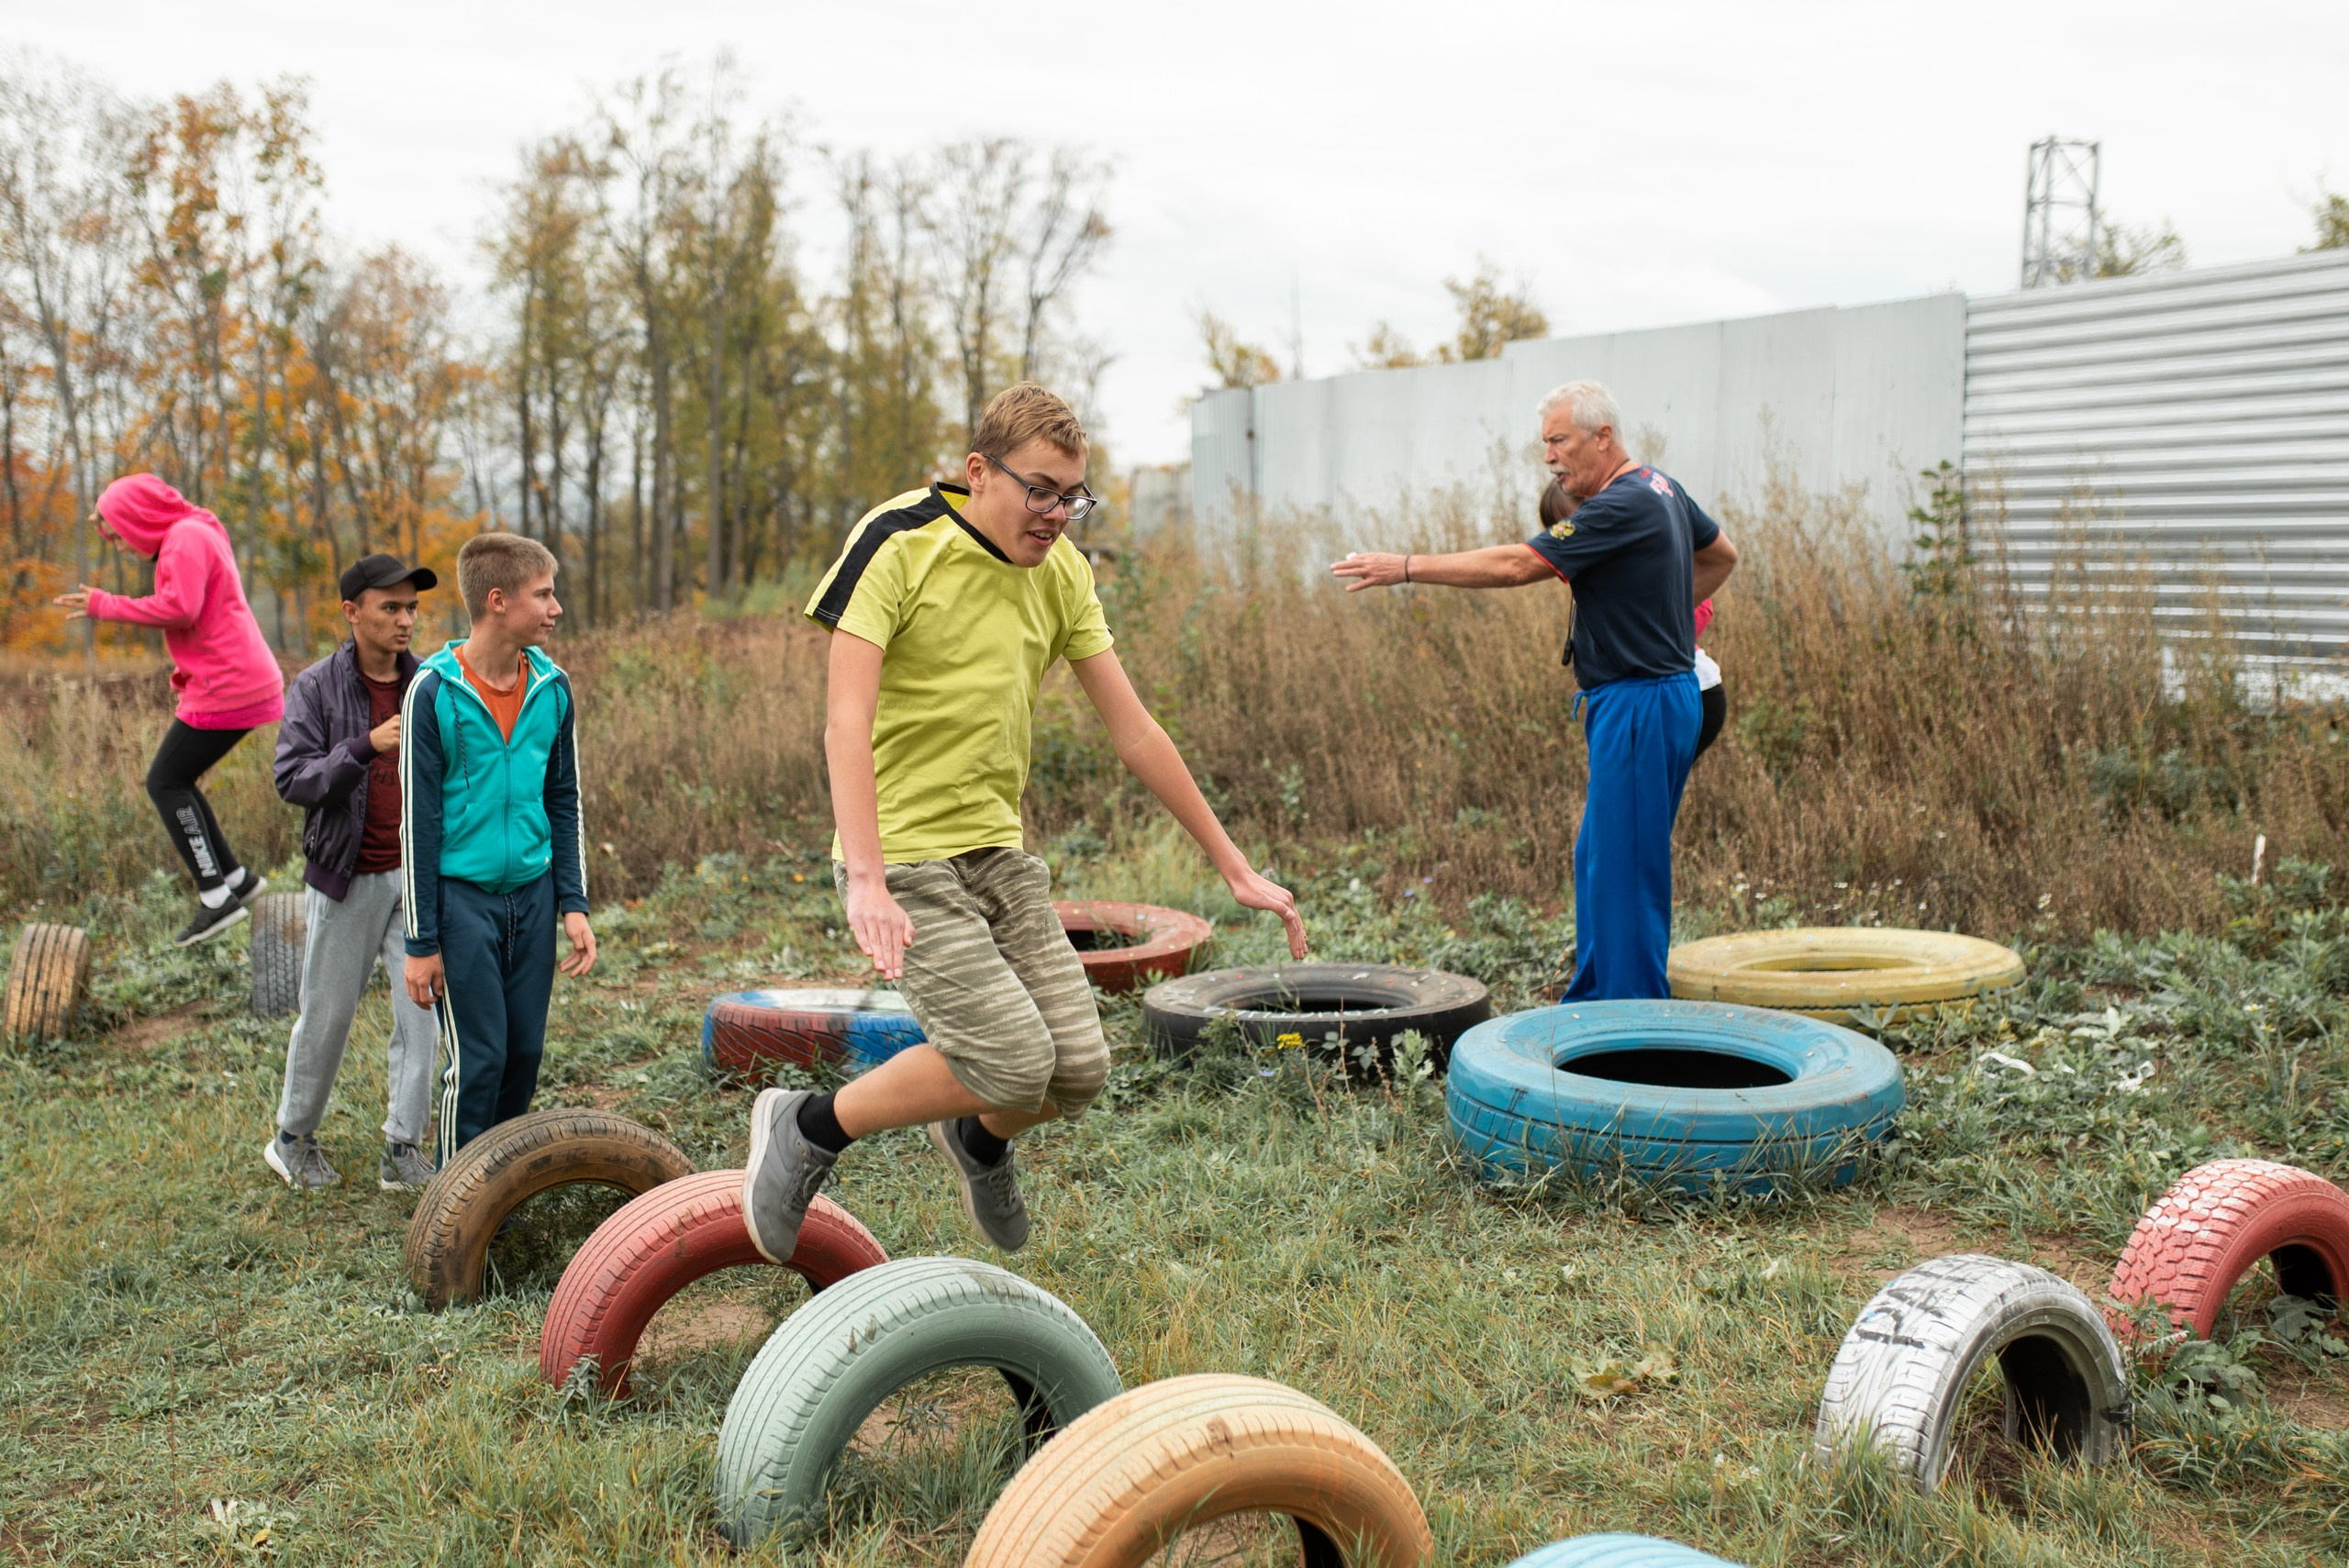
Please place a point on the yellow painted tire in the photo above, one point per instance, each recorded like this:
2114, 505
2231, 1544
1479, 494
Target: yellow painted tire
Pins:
1835, 972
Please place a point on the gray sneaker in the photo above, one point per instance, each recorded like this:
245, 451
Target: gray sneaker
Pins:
404, 1168
783, 1175
301, 1161
990, 1193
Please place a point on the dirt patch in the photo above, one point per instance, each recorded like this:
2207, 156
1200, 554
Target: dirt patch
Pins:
1916, 1234
946, 1403
2319, 1400
141, 1034
685, 1327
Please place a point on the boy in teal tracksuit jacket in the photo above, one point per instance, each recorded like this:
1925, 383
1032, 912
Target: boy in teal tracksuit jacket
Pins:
493, 847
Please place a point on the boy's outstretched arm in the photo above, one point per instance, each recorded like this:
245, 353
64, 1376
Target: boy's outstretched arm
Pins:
852, 697
1147, 752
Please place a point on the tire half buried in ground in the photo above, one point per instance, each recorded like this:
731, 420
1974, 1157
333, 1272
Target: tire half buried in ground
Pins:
743, 1030
48, 972
1620, 1552
2213, 1227
830, 1365
1336, 1007
449, 1237
1901, 1376
281, 928
659, 1243
1124, 946
1836, 971
1679, 1094
1133, 1474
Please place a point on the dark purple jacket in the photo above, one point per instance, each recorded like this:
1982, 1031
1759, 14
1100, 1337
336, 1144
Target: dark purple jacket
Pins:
322, 759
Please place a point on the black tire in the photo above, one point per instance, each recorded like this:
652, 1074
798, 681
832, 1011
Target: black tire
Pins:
1336, 1008
280, 930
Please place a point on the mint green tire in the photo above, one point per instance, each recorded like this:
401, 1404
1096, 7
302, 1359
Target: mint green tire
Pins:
830, 1365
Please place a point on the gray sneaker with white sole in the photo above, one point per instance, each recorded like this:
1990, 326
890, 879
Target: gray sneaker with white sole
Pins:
783, 1174
301, 1163
990, 1193
404, 1168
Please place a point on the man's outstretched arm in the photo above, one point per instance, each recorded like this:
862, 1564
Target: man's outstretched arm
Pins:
1147, 752
1494, 566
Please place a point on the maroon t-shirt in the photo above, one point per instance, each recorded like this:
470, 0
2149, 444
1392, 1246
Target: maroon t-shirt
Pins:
379, 839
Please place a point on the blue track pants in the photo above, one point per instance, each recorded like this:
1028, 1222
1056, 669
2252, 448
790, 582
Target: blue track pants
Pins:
498, 952
1643, 736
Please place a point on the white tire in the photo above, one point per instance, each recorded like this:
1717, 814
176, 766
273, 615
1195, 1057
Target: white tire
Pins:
1902, 1372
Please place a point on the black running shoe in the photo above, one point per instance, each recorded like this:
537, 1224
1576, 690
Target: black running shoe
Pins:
208, 923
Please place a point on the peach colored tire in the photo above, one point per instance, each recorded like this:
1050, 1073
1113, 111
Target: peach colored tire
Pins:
1168, 941
1134, 1474
2214, 1225
449, 1235
661, 1241
1836, 973
49, 974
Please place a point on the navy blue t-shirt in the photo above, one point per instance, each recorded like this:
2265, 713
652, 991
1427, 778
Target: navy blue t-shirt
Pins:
1629, 553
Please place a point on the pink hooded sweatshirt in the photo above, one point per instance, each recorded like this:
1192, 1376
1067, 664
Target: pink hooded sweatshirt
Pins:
225, 674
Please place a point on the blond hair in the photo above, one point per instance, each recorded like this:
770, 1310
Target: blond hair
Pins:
504, 562
1022, 413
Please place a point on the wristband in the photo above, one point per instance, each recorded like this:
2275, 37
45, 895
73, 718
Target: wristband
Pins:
1407, 569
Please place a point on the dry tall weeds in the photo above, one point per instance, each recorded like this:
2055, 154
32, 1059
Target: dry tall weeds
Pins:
1892, 754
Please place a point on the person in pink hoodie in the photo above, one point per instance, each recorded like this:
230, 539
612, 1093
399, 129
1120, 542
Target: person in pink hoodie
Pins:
227, 678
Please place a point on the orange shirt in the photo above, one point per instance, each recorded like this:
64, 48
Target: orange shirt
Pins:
505, 707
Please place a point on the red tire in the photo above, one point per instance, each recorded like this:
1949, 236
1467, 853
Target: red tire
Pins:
660, 1243
2214, 1225
1163, 940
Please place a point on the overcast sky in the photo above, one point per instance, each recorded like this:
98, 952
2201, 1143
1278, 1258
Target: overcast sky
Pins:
1635, 164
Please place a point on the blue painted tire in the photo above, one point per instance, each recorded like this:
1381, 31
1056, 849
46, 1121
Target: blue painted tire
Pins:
744, 1031
1620, 1552
1806, 1096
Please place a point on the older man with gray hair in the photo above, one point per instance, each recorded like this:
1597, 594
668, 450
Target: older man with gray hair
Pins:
1638, 556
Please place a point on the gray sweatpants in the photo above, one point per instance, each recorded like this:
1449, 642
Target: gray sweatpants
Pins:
344, 941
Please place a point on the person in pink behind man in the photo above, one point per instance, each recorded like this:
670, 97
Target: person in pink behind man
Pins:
227, 678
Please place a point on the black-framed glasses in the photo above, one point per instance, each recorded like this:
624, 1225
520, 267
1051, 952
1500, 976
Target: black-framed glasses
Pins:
1042, 498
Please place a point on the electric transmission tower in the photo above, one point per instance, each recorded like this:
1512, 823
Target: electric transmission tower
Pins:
2060, 214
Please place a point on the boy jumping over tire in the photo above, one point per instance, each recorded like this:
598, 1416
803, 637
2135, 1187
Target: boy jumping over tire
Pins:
946, 607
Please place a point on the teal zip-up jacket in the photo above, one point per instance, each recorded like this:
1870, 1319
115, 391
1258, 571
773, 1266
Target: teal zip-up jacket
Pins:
478, 807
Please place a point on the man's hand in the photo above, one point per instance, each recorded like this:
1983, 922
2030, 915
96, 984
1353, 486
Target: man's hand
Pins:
1369, 568
582, 957
1258, 892
385, 737
426, 979
77, 604
881, 929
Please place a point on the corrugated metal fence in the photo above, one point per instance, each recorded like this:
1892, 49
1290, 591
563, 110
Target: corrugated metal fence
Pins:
2200, 420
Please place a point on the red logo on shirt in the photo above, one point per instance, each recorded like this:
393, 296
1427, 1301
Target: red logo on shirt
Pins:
1659, 483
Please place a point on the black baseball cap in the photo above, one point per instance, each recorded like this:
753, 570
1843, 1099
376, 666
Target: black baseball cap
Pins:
382, 571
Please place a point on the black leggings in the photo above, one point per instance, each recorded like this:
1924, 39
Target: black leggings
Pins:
1716, 708
183, 758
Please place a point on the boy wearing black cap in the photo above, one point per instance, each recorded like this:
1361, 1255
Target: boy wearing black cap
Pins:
338, 758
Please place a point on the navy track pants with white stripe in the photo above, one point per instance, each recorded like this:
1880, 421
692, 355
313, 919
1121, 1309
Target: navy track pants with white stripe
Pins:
1643, 736
498, 952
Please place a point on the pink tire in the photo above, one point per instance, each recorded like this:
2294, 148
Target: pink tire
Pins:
663, 1241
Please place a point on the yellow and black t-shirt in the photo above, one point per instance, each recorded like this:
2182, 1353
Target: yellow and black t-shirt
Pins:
967, 637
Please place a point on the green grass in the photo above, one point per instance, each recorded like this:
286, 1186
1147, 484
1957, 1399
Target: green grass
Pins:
198, 1365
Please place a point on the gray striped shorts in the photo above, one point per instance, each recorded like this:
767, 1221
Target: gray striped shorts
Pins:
993, 981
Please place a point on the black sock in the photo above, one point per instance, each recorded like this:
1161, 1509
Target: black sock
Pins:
983, 1146
820, 1126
